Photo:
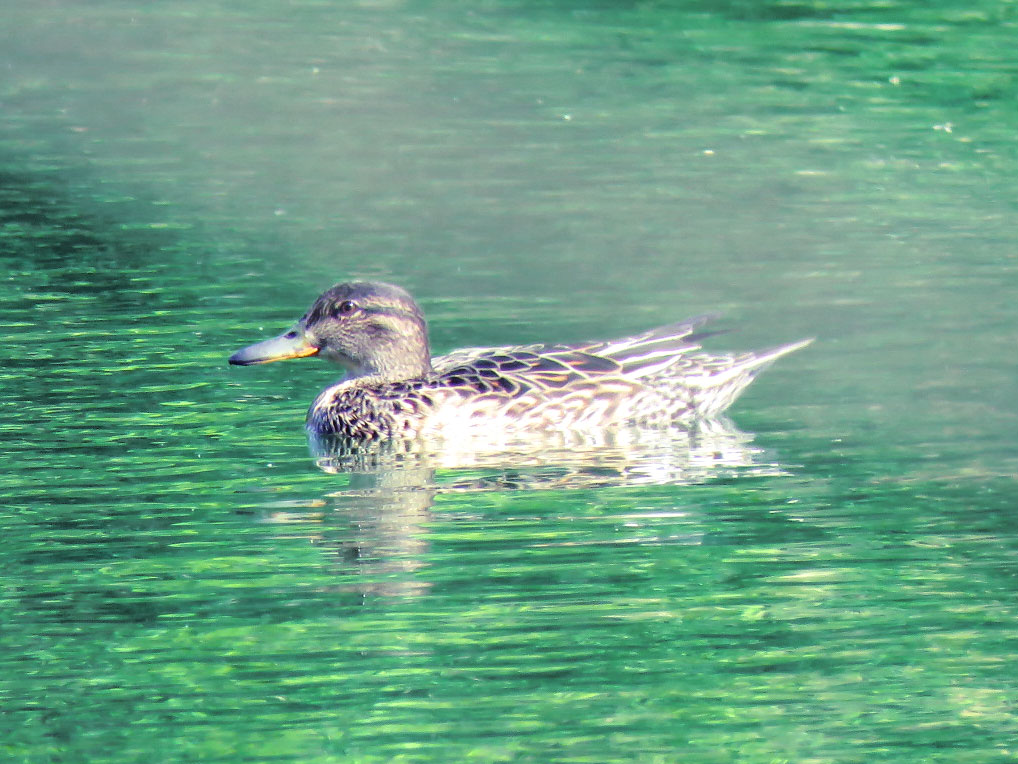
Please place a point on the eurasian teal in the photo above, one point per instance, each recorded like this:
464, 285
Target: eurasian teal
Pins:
395, 389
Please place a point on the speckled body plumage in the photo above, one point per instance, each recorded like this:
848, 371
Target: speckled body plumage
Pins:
655, 378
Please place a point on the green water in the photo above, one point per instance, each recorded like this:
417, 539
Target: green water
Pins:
832, 581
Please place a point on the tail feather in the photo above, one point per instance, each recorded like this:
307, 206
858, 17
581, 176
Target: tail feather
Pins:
763, 358
724, 383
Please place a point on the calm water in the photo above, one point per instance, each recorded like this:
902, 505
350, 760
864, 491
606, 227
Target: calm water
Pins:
830, 578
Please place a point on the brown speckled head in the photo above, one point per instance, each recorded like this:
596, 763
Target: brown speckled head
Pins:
371, 328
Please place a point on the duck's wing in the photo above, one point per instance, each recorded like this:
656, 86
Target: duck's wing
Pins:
513, 371
649, 353
549, 368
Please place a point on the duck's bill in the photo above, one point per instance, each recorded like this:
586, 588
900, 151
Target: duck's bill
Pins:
289, 345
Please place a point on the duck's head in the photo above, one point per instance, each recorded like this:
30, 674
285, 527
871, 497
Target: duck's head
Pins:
370, 328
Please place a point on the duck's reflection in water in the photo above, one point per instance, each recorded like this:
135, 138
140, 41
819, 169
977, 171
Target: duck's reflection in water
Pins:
571, 459
375, 525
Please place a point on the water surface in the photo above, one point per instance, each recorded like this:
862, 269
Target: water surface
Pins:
832, 581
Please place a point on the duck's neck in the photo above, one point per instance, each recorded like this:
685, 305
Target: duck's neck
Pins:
397, 363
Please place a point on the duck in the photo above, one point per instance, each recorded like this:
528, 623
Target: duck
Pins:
394, 388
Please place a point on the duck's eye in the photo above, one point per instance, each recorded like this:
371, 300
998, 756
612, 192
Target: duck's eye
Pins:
345, 308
